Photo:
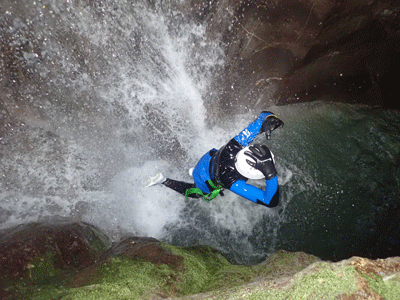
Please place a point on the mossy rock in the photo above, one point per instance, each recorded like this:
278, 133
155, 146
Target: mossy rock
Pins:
145, 268
42, 252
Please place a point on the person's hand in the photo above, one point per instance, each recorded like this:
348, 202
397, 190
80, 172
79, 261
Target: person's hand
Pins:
270, 124
261, 159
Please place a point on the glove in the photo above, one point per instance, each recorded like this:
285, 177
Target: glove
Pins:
270, 123
261, 160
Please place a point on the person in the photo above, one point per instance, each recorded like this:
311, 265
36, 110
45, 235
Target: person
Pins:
232, 165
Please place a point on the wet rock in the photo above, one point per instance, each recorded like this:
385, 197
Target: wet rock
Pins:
280, 52
74, 261
263, 40
65, 246
353, 59
147, 249
4, 215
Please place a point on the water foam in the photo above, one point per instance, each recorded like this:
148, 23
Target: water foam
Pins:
122, 88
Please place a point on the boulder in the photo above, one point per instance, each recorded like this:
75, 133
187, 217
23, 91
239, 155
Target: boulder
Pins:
40, 249
77, 261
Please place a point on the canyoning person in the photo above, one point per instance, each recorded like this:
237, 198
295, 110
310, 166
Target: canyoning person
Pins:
232, 165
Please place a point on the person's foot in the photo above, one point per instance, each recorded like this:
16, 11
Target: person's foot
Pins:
153, 180
191, 172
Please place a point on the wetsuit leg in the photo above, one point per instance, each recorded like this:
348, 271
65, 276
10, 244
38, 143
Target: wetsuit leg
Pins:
180, 187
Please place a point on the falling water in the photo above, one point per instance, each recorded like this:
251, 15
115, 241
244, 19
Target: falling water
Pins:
114, 92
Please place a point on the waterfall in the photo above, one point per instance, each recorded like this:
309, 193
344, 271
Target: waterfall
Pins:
102, 95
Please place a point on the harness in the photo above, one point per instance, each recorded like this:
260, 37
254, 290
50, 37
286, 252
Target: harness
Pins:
208, 197
222, 171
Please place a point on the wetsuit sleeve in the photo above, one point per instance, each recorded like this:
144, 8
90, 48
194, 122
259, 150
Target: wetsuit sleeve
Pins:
247, 135
269, 197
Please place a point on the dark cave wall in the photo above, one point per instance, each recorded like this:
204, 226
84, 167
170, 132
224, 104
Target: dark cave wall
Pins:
355, 59
281, 52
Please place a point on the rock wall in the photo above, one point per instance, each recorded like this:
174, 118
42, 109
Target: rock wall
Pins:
283, 52
354, 58
263, 41
76, 261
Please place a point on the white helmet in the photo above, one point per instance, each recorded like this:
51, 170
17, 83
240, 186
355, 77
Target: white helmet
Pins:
244, 168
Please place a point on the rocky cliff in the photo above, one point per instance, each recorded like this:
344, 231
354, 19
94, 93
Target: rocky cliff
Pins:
295, 51
77, 261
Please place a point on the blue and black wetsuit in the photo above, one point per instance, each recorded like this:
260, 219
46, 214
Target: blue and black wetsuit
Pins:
217, 169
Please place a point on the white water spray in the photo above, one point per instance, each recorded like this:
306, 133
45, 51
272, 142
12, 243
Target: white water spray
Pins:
121, 87
116, 93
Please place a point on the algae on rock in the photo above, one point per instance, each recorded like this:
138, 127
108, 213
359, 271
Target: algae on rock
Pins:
145, 268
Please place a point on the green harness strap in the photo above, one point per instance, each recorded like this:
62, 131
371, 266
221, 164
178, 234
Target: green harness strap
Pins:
207, 197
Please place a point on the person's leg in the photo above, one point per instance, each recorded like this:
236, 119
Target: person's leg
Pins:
180, 187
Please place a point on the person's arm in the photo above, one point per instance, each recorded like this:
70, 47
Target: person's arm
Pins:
266, 122
269, 197
260, 158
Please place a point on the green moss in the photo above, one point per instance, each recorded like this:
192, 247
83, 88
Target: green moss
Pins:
123, 278
42, 267
40, 275
388, 289
120, 278
324, 284
203, 270
201, 264
207, 270
232, 276
296, 260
